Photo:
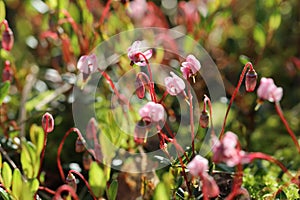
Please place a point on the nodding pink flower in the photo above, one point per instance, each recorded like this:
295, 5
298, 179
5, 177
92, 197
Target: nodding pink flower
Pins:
7, 74
135, 51
198, 167
87, 65
226, 150
152, 111
190, 67
47, 123
174, 84
267, 90
251, 79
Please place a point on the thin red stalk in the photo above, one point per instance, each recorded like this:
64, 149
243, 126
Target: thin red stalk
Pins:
291, 133
204, 189
184, 174
210, 114
237, 182
5, 23
70, 20
259, 155
191, 120
60, 169
105, 12
85, 182
62, 188
234, 95
48, 190
164, 96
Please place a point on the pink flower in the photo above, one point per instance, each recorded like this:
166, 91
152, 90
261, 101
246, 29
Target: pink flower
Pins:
152, 111
267, 90
174, 84
190, 67
226, 151
135, 51
87, 65
137, 9
198, 165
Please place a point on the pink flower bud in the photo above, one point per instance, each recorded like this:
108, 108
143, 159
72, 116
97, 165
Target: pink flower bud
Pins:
7, 39
139, 86
204, 119
174, 84
71, 181
47, 122
79, 145
87, 160
91, 129
251, 79
7, 74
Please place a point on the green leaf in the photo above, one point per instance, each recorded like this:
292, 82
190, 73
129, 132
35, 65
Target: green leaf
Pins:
113, 190
97, 179
29, 160
161, 192
275, 20
4, 89
244, 59
37, 138
4, 194
7, 175
2, 11
259, 35
17, 184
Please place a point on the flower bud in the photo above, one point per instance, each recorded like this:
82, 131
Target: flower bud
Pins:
204, 119
79, 145
139, 87
7, 39
7, 74
47, 123
251, 79
71, 181
87, 160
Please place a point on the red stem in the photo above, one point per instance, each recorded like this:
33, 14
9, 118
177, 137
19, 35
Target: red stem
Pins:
5, 23
62, 188
105, 12
184, 174
206, 99
153, 95
85, 182
204, 188
234, 95
291, 133
192, 120
60, 169
46, 190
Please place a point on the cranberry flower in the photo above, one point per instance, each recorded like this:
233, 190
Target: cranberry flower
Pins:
135, 54
190, 67
174, 84
152, 111
198, 167
226, 150
87, 65
267, 90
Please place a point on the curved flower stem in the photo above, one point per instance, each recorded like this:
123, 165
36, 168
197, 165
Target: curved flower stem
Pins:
85, 182
5, 23
207, 100
234, 95
60, 169
153, 95
164, 96
105, 12
63, 188
43, 188
291, 133
43, 152
191, 120
259, 155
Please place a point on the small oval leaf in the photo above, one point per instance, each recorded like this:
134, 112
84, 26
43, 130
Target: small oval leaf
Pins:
2, 11
4, 89
7, 175
113, 190
17, 183
97, 179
